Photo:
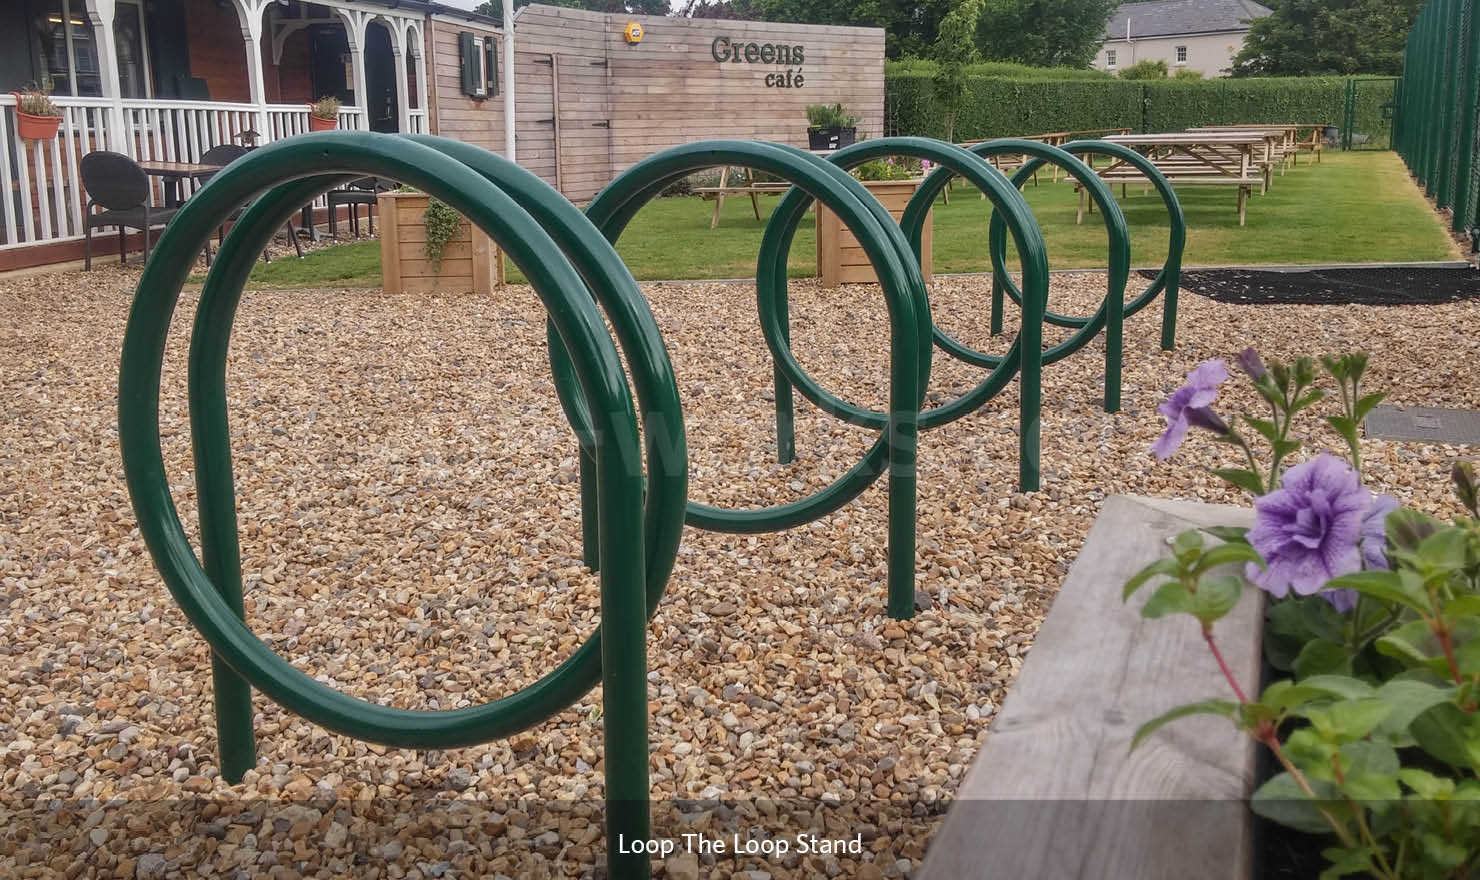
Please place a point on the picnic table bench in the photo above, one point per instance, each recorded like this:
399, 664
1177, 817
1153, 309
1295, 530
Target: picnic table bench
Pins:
1191, 159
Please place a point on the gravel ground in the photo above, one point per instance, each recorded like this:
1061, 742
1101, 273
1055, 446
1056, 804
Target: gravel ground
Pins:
408, 501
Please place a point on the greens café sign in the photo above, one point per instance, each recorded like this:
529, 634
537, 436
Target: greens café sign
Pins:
786, 55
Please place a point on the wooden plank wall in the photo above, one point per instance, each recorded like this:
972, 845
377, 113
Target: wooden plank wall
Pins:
666, 90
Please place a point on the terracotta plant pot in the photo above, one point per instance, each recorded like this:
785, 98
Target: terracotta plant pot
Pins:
319, 123
35, 128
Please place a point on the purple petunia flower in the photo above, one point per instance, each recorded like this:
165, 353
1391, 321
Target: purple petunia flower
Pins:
1199, 392
1307, 530
1374, 532
1249, 362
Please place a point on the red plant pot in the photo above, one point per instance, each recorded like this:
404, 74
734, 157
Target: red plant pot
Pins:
319, 123
35, 128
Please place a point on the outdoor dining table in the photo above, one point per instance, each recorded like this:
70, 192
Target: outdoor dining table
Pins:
1194, 158
172, 173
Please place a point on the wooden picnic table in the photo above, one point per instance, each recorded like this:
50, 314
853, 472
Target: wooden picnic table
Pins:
1294, 142
749, 188
1192, 158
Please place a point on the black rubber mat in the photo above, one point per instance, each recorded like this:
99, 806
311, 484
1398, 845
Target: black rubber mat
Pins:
1384, 286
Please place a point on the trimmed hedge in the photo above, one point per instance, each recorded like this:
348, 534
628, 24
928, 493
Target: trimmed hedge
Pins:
1005, 106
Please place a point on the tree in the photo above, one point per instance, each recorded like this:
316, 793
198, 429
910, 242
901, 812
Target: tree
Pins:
733, 10
1043, 33
495, 8
1341, 37
910, 26
955, 48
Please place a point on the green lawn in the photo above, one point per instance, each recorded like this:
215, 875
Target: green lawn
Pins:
1353, 207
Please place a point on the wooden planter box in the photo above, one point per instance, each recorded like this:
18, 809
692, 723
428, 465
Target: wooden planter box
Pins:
841, 260
471, 262
1055, 790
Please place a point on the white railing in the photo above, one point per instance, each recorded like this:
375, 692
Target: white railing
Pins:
45, 200
418, 121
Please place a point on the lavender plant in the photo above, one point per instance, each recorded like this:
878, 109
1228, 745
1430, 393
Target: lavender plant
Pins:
1373, 624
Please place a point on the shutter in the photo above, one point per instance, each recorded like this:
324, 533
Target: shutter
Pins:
490, 56
469, 58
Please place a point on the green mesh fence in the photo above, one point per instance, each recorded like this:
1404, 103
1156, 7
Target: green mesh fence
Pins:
1435, 109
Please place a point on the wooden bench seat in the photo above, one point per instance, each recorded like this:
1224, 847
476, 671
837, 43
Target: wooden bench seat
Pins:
1191, 174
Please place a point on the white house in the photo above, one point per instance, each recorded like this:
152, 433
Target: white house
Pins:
1200, 35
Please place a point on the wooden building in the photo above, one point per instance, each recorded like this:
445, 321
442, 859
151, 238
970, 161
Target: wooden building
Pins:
169, 79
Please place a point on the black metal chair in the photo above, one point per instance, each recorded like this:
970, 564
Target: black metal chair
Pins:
364, 191
117, 184
225, 154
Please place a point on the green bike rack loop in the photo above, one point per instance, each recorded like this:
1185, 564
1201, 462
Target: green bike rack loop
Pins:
909, 315
1110, 314
210, 592
1167, 280
771, 293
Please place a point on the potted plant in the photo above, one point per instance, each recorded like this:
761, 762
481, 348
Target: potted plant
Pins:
891, 180
37, 118
323, 114
426, 245
1369, 706
829, 127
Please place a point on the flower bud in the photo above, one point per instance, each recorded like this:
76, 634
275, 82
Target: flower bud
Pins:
1203, 417
1249, 362
1466, 485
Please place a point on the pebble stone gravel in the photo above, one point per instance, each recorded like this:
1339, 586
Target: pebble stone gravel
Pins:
410, 534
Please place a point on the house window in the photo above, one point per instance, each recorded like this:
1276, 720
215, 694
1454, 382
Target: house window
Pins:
479, 65
1109, 57
62, 40
63, 37
133, 50
1181, 54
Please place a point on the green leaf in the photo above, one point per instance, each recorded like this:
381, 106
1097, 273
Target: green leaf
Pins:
1169, 598
1425, 784
1462, 606
1409, 698
1168, 567
1320, 657
1342, 687
1443, 732
1216, 596
1406, 529
1266, 428
1242, 478
1226, 708
1309, 400
1345, 427
1352, 720
1281, 800
1445, 550
1186, 545
1229, 533
1223, 554
1285, 448
1364, 758
1385, 586
1413, 643
1346, 862
1367, 402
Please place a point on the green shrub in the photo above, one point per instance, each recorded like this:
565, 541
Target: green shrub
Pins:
1148, 69
823, 116
1003, 106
